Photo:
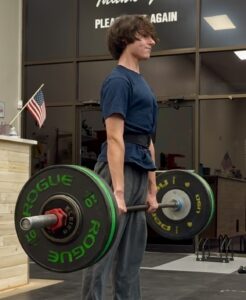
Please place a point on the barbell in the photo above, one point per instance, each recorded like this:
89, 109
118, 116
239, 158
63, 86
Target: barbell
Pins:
66, 216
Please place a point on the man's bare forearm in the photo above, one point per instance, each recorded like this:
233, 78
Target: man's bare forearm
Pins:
116, 153
151, 175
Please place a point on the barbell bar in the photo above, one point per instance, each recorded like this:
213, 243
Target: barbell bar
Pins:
51, 219
66, 216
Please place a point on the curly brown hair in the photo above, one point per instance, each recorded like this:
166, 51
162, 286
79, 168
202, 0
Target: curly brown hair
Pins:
123, 32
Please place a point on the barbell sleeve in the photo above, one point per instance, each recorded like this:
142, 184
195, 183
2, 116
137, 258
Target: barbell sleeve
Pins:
40, 221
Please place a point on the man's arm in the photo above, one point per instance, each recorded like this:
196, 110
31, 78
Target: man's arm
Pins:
152, 189
116, 154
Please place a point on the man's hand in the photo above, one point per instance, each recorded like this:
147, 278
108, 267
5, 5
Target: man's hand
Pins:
152, 202
119, 197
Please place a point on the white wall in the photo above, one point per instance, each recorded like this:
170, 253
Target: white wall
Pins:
10, 58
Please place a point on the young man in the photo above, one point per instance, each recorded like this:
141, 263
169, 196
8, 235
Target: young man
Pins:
126, 161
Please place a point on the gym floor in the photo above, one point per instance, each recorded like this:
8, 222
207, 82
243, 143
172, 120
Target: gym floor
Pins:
164, 276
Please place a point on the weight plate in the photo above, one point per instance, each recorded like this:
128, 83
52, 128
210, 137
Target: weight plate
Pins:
197, 205
95, 232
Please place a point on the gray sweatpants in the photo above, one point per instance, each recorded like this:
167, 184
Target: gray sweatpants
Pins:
126, 254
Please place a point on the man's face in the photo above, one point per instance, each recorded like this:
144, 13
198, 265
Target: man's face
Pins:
141, 47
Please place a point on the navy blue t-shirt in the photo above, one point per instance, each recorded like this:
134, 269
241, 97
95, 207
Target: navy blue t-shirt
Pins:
125, 92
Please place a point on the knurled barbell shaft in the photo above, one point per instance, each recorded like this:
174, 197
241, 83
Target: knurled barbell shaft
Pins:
42, 221
145, 206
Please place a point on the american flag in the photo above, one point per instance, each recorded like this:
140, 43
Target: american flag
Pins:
36, 106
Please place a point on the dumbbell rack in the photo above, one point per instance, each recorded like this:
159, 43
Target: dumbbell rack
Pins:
222, 249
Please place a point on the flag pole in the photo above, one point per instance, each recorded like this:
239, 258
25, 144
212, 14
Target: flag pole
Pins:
12, 121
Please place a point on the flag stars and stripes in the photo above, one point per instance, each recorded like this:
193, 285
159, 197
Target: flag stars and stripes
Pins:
36, 106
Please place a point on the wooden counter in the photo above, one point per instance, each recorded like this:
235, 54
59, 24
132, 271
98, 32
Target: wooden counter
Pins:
15, 169
230, 207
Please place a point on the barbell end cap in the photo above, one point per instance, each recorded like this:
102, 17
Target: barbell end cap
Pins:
25, 224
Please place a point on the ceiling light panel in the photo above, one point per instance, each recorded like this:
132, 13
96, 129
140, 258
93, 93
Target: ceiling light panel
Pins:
220, 22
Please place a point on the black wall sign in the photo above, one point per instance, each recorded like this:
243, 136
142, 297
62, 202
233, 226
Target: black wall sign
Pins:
174, 21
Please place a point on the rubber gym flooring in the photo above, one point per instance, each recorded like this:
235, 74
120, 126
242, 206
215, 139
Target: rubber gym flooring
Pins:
164, 276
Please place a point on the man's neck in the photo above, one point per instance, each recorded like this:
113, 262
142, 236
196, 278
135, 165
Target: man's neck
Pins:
129, 62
